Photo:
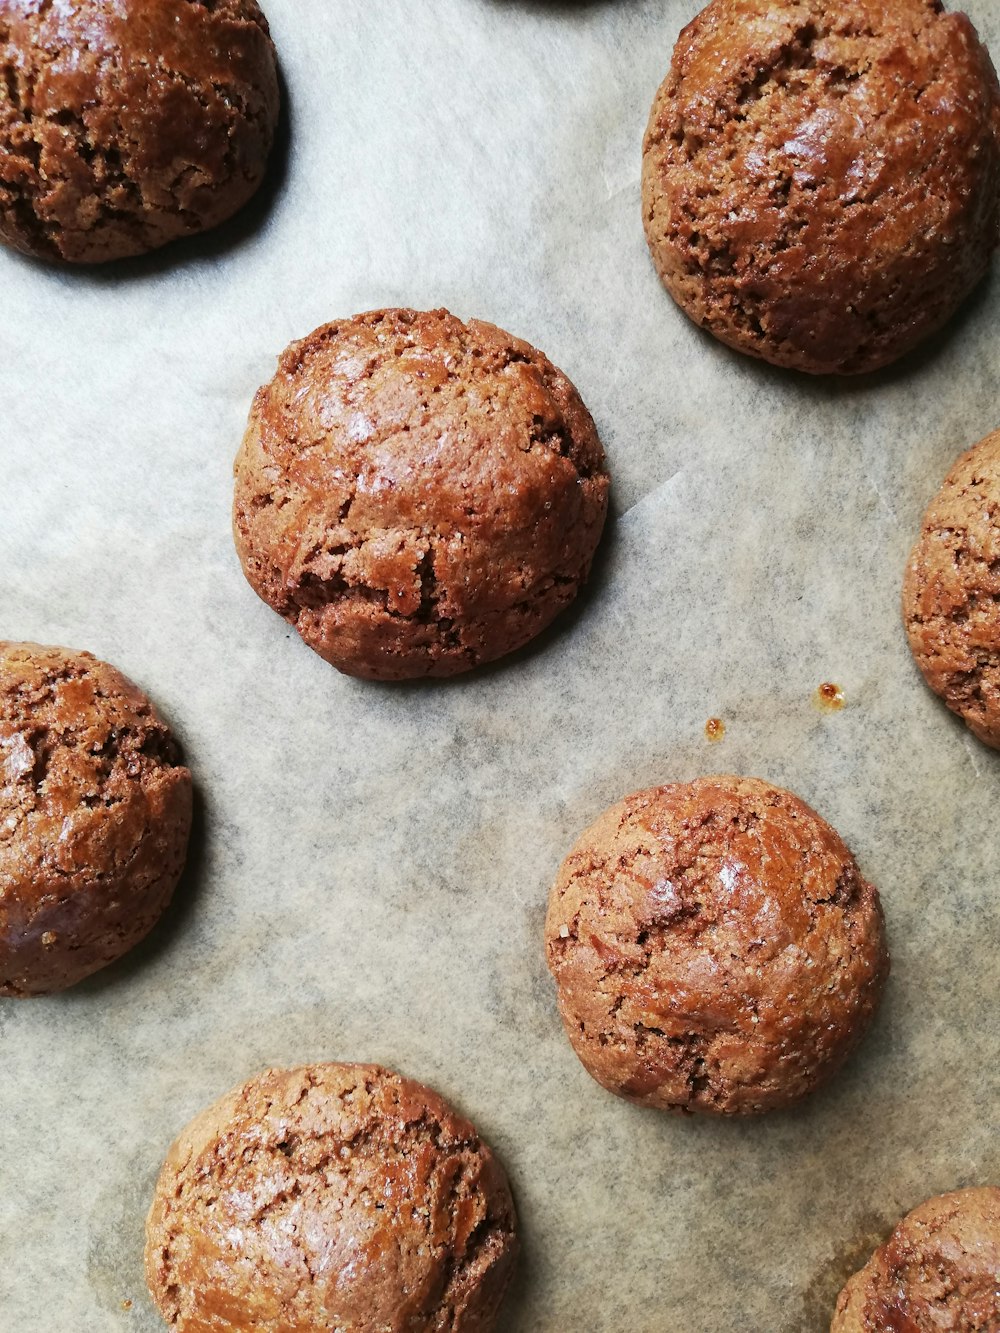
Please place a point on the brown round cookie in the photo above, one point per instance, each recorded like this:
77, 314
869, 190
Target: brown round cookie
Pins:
951, 593
330, 1197
95, 810
715, 947
939, 1271
125, 124
821, 180
416, 495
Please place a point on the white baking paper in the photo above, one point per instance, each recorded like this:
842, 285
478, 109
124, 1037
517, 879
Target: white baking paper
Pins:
371, 863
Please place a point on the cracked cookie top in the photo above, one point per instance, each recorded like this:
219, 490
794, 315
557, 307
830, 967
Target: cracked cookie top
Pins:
125, 124
951, 594
331, 1196
821, 181
95, 810
417, 495
937, 1272
715, 947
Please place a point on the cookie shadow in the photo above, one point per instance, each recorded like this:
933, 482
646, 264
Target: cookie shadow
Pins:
171, 925
915, 363
819, 1298
518, 1298
561, 627
225, 239
910, 367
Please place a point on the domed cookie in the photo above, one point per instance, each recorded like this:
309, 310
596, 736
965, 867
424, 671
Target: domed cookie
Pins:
330, 1197
715, 947
821, 178
95, 810
416, 495
937, 1272
125, 124
951, 593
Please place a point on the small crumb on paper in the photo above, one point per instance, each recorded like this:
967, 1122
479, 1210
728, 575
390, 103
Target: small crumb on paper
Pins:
829, 697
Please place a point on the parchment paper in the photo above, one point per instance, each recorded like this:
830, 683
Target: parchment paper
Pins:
371, 864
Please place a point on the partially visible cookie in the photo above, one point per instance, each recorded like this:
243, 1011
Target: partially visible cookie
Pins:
125, 124
95, 810
417, 495
821, 178
715, 947
939, 1271
330, 1197
951, 593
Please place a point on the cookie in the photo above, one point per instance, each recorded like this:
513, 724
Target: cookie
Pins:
715, 948
821, 181
125, 124
951, 593
937, 1272
330, 1197
95, 811
417, 496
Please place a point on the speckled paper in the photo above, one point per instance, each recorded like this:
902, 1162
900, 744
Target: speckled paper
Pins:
370, 866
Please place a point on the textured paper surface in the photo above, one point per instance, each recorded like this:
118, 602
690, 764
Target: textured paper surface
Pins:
371, 864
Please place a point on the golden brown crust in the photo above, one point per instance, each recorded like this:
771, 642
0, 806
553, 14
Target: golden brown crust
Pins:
125, 124
821, 181
937, 1272
417, 495
331, 1196
951, 593
95, 811
715, 947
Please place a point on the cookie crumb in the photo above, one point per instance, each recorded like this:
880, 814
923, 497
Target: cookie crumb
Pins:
829, 697
715, 729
